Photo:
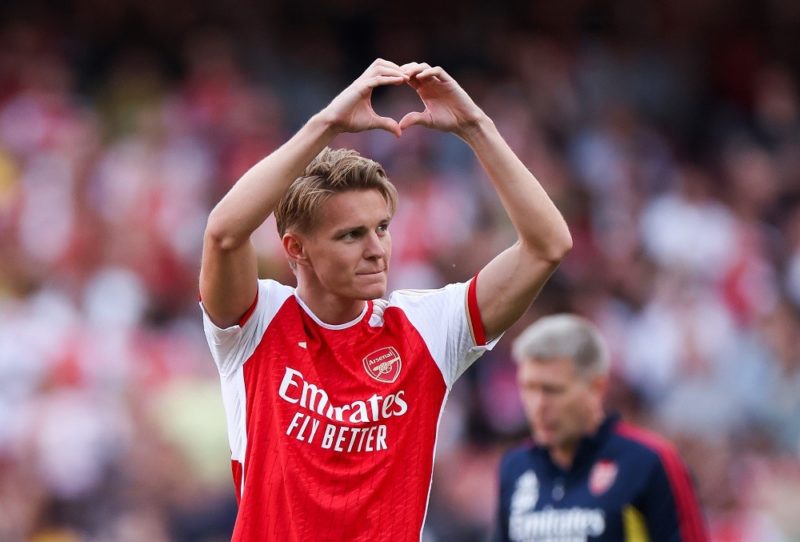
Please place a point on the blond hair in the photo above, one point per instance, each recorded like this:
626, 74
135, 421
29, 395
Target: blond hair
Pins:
332, 171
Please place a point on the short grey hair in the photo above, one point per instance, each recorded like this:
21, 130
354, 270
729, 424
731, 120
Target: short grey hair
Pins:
564, 336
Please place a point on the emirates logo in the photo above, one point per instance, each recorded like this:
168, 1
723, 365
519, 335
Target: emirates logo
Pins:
383, 364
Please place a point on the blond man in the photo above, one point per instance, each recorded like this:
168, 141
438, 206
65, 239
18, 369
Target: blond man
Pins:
333, 390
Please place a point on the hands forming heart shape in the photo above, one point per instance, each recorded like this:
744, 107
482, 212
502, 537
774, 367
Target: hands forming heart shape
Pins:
447, 106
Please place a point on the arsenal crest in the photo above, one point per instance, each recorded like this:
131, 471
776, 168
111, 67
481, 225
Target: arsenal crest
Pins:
602, 476
383, 364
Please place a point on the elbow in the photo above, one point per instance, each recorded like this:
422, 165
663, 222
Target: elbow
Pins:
219, 235
560, 248
554, 250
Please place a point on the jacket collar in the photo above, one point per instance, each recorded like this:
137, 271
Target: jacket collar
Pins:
587, 447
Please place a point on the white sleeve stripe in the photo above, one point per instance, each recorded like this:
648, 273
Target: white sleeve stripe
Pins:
234, 398
442, 318
231, 347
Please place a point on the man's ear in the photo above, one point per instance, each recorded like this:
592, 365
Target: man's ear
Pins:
599, 386
294, 247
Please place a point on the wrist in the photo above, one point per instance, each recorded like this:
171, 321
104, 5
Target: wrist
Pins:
477, 130
326, 122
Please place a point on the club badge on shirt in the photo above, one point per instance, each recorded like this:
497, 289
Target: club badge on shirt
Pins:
602, 476
383, 364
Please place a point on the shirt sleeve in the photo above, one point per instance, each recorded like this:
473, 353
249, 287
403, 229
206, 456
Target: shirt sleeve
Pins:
232, 346
450, 324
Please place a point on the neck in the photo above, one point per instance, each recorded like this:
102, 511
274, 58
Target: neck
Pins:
330, 308
563, 454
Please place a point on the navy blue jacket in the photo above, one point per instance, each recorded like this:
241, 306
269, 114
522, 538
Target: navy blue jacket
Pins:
625, 484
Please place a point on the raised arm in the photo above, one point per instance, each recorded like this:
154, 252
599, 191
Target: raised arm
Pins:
509, 283
228, 274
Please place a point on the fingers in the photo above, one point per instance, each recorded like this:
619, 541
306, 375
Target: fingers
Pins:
437, 72
384, 67
423, 118
380, 80
385, 63
383, 72
413, 68
388, 124
419, 71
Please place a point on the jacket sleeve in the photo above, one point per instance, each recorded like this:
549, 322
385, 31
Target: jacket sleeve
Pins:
669, 503
500, 533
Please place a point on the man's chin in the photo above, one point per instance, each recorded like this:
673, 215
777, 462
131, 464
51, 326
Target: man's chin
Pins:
374, 292
368, 289
543, 438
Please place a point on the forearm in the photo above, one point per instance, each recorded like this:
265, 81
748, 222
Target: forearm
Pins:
539, 224
256, 194
228, 274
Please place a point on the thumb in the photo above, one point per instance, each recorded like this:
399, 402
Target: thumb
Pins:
388, 124
422, 118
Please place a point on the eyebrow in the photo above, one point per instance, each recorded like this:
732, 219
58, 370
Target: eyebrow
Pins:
346, 230
360, 228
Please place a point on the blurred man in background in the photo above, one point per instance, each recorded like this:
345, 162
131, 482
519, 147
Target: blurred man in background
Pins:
588, 475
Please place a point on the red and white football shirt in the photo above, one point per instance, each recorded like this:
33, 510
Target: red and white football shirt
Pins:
332, 428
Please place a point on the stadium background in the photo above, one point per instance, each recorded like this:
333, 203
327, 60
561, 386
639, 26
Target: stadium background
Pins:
667, 133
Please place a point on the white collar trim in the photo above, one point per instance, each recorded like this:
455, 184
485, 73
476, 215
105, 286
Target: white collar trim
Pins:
316, 319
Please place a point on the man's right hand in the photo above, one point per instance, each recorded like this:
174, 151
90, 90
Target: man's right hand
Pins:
351, 110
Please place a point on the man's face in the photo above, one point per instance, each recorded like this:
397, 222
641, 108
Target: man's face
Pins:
558, 402
350, 247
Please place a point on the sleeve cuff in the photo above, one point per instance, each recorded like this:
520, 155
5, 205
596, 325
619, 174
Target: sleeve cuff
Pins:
474, 313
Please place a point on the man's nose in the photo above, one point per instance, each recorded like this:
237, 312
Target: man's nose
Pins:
374, 246
537, 403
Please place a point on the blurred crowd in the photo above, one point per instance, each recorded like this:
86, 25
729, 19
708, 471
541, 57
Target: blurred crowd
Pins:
669, 139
